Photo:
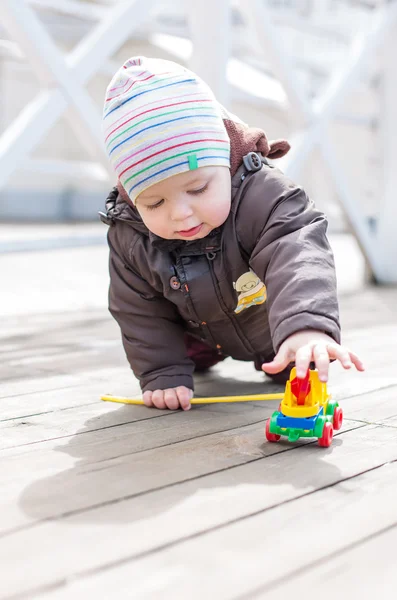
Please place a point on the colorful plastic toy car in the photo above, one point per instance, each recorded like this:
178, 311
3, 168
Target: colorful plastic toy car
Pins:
306, 411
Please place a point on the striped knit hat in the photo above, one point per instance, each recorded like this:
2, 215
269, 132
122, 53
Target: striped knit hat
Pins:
161, 119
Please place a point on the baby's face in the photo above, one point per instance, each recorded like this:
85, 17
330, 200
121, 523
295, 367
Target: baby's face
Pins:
187, 206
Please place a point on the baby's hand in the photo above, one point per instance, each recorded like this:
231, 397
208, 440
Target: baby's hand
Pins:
172, 398
306, 346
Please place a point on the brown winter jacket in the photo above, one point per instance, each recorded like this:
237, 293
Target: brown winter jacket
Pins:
160, 289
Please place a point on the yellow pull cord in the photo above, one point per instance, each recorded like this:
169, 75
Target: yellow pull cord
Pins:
213, 400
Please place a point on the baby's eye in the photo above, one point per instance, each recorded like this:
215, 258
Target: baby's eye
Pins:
156, 205
199, 191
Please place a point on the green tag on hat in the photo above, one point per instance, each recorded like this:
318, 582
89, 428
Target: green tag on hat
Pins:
193, 163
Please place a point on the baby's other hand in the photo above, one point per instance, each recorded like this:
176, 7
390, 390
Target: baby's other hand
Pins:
172, 398
304, 347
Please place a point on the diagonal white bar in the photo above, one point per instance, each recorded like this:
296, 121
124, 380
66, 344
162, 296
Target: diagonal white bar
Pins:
37, 118
340, 85
260, 21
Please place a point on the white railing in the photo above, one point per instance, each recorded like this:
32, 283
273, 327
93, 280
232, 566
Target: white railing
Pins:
64, 77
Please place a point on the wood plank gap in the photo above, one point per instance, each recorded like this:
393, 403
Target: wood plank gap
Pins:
377, 423
77, 433
176, 443
47, 412
374, 390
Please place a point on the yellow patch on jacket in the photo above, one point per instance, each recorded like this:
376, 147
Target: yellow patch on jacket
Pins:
252, 291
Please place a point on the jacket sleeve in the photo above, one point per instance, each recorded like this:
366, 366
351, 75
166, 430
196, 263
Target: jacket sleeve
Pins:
285, 236
152, 331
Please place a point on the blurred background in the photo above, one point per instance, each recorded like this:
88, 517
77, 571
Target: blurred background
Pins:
320, 73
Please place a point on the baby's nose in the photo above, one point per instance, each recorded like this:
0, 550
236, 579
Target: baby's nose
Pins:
181, 211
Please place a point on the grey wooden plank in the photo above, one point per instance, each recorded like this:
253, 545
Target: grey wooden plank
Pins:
34, 468
373, 306
230, 377
71, 343
70, 422
107, 423
366, 567
63, 412
97, 468
41, 395
20, 389
45, 475
103, 446
70, 394
378, 406
63, 419
217, 536
60, 344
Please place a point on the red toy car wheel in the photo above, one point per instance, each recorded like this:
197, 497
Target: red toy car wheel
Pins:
328, 433
271, 437
338, 418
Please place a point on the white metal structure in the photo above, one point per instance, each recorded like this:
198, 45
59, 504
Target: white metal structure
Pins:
259, 53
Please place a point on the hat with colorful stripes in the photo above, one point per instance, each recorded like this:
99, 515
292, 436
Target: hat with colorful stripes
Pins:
161, 119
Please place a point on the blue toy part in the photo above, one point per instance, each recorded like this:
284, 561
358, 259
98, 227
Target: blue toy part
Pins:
298, 423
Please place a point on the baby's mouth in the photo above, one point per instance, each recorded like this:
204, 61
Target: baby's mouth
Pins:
190, 232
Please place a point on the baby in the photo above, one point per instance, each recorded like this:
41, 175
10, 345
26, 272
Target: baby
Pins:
213, 251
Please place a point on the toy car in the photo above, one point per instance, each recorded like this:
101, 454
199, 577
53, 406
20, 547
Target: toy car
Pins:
306, 411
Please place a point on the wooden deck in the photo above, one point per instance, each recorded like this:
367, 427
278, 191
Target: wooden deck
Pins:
103, 501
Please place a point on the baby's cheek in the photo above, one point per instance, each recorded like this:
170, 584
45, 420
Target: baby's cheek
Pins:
218, 213
157, 224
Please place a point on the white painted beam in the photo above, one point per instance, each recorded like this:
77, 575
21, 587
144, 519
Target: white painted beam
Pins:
81, 9
268, 37
386, 239
37, 118
108, 36
69, 169
10, 49
351, 208
47, 61
316, 118
341, 84
28, 129
210, 32
305, 25
246, 83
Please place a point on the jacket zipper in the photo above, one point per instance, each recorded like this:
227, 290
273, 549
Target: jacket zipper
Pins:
231, 318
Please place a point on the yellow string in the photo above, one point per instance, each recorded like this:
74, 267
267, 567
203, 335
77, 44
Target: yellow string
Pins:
213, 400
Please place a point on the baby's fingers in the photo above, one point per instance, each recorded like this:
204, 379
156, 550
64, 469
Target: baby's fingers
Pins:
303, 359
184, 396
280, 361
357, 362
341, 354
147, 399
170, 399
321, 359
158, 399
346, 357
